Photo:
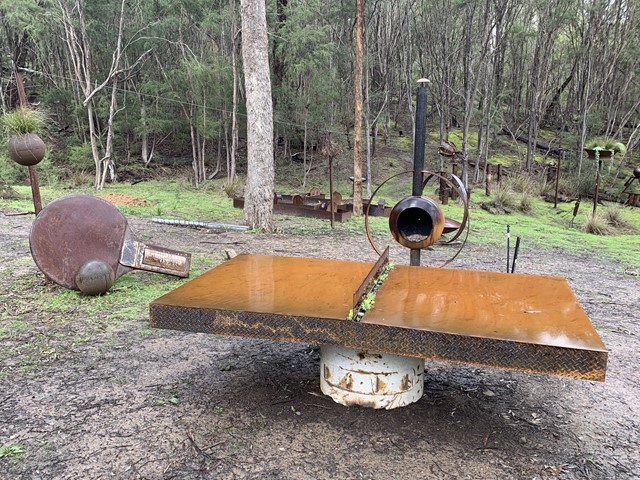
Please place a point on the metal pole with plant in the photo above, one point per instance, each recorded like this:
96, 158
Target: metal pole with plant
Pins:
25, 146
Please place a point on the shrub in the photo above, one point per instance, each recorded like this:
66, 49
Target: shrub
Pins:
521, 183
526, 202
566, 187
232, 189
616, 217
503, 197
595, 224
586, 185
80, 156
547, 188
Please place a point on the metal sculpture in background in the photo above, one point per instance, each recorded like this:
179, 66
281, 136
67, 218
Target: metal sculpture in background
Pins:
84, 243
632, 188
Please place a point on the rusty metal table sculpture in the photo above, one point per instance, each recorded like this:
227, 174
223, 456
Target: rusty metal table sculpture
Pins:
373, 355
521, 322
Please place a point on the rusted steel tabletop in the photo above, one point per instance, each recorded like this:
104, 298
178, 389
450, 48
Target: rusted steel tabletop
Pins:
520, 322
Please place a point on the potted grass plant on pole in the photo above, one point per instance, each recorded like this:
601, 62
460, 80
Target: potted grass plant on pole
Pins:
25, 146
602, 149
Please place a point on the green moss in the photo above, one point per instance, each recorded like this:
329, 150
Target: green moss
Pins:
504, 160
455, 136
403, 143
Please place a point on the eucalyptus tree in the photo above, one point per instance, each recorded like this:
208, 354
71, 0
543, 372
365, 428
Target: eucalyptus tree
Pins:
93, 73
388, 25
357, 93
305, 87
437, 32
259, 190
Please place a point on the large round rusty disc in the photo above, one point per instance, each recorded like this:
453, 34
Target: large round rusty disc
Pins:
73, 230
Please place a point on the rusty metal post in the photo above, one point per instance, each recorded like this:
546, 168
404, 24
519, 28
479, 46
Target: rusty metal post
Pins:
487, 180
444, 190
454, 171
331, 193
555, 198
33, 174
419, 139
597, 192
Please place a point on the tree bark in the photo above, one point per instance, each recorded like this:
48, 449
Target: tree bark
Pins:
259, 189
357, 128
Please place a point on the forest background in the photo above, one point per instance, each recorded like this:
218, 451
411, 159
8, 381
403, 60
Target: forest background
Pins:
129, 85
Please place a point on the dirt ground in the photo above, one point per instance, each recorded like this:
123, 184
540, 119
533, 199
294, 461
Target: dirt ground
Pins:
176, 405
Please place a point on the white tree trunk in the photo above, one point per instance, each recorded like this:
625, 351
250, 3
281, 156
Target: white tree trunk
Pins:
258, 195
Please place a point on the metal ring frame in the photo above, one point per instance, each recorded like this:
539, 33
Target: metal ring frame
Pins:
463, 195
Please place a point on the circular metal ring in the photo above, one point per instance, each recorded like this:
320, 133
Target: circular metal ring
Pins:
463, 194
366, 215
465, 220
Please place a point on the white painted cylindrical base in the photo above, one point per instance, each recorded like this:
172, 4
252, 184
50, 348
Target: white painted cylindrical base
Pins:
369, 379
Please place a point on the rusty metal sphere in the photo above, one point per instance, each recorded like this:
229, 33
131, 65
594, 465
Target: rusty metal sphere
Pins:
416, 222
95, 277
447, 149
636, 172
27, 149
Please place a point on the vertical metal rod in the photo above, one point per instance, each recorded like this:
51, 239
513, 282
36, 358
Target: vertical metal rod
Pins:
35, 189
419, 139
597, 192
33, 174
331, 192
515, 255
555, 198
444, 190
508, 245
454, 171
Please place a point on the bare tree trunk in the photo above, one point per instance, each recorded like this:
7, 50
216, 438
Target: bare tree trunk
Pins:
304, 148
231, 166
357, 129
79, 50
194, 146
469, 90
258, 204
107, 163
94, 143
144, 153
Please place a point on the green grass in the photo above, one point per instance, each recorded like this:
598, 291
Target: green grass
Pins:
550, 229
12, 451
129, 297
171, 198
543, 228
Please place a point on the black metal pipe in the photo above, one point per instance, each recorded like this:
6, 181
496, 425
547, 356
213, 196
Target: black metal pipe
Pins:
508, 246
515, 255
419, 138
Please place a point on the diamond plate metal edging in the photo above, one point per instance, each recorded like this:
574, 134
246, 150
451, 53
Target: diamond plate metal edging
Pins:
519, 356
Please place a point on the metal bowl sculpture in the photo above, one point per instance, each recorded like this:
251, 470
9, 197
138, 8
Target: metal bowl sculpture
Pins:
417, 222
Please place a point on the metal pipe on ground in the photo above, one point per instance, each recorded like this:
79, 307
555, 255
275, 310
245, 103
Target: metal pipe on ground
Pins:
192, 223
